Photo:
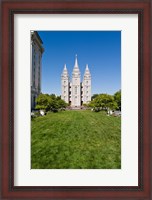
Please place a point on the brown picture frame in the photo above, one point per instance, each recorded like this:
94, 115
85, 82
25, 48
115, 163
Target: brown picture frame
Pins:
144, 10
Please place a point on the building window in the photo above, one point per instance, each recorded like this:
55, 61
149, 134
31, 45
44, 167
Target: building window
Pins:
75, 90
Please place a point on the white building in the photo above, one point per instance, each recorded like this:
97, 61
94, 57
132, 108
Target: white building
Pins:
36, 65
75, 92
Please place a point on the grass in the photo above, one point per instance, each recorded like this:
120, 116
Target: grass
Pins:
76, 140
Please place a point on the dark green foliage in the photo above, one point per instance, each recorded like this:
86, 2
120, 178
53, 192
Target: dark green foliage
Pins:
117, 97
50, 102
106, 101
43, 102
76, 140
94, 96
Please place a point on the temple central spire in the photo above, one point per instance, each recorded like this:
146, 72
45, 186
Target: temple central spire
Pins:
76, 66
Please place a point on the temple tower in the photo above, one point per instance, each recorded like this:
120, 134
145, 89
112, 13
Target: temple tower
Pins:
65, 85
76, 86
86, 86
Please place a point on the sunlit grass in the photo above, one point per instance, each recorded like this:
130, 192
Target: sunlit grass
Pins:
76, 140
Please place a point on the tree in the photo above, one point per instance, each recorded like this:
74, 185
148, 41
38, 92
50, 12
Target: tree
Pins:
53, 104
94, 96
58, 97
62, 103
43, 102
104, 102
117, 97
53, 96
50, 102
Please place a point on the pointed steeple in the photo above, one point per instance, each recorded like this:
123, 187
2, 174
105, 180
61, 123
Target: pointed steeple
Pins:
87, 71
76, 66
76, 62
65, 71
65, 68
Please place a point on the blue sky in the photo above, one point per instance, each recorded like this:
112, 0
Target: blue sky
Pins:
101, 50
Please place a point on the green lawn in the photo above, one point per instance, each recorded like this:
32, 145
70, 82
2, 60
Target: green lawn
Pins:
76, 140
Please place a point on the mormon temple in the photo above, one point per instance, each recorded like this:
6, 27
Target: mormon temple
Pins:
75, 92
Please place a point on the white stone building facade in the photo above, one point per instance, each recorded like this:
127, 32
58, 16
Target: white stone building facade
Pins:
75, 92
36, 66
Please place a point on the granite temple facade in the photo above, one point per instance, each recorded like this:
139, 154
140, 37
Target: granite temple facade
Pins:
75, 92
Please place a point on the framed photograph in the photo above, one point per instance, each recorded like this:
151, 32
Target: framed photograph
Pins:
76, 91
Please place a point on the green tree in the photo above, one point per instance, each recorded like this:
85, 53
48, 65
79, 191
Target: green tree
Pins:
94, 96
53, 104
50, 102
62, 103
53, 96
104, 102
58, 97
43, 102
117, 97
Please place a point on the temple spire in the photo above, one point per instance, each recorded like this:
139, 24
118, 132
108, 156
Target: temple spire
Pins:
65, 68
87, 71
76, 62
76, 66
65, 71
